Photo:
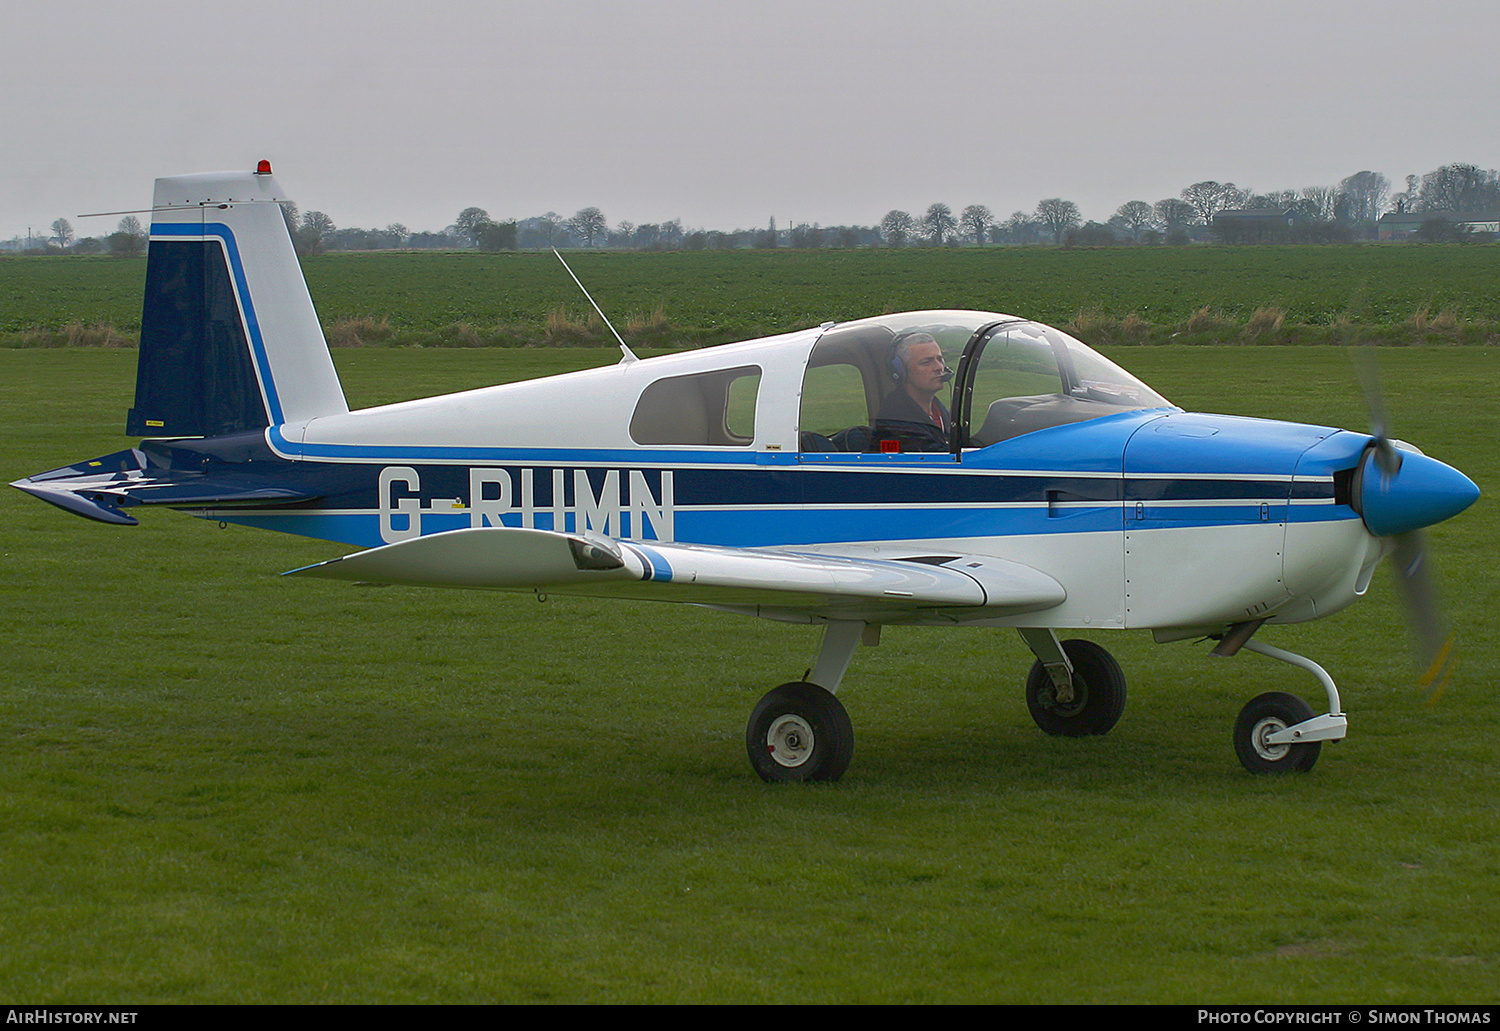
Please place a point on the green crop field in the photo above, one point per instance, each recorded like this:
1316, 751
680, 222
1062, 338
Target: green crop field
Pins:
1302, 294
224, 786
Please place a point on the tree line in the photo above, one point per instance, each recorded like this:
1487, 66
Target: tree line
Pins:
1349, 210
127, 241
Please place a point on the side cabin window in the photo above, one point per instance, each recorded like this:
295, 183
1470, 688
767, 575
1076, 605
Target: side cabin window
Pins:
705, 409
855, 395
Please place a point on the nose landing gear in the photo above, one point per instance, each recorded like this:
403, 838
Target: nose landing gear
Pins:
1277, 732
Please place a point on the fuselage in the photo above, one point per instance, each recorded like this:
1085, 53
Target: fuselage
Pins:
1151, 517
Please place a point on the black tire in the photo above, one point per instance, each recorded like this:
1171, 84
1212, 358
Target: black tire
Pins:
799, 732
1098, 693
1264, 715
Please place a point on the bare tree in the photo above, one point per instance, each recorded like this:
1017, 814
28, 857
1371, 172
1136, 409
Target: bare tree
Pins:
1135, 216
1208, 198
1057, 216
62, 232
543, 228
647, 235
1460, 188
310, 235
939, 223
805, 237
1174, 215
896, 227
1406, 200
466, 222
1322, 203
1276, 199
1367, 192
976, 221
129, 239
318, 222
590, 224
1019, 228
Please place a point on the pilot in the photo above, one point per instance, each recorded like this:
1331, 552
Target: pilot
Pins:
911, 414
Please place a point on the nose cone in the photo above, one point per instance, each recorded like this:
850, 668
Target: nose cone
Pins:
1421, 492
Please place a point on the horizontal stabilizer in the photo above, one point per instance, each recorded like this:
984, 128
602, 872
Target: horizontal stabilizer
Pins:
91, 504
815, 583
100, 488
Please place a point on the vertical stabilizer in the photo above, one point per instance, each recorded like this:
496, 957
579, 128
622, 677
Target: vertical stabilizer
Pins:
229, 338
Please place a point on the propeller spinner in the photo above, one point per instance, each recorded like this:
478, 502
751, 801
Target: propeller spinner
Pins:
1398, 491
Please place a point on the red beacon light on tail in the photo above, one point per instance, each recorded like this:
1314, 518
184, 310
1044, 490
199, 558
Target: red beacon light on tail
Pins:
263, 167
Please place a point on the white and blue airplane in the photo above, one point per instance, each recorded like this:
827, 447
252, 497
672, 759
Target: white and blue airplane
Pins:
840, 476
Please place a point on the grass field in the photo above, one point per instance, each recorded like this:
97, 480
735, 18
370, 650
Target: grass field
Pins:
222, 786
1304, 294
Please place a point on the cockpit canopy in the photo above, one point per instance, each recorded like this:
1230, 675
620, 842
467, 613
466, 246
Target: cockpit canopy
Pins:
1012, 376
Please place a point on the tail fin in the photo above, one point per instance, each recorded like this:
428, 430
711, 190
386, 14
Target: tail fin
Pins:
229, 337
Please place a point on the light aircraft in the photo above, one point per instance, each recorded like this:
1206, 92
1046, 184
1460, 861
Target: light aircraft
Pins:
1058, 492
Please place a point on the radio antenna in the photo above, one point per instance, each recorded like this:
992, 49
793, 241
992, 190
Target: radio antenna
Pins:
624, 347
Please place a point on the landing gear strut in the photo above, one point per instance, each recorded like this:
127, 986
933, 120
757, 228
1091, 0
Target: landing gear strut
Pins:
800, 731
1278, 732
1075, 688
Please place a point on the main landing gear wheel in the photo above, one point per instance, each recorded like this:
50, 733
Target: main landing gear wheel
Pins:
1263, 716
1098, 693
799, 732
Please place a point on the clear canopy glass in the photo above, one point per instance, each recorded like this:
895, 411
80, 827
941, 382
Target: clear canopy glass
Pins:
1006, 377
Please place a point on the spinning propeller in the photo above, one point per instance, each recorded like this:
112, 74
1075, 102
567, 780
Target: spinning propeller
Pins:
1398, 491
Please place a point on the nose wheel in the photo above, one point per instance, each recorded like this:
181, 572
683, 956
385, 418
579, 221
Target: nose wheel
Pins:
1278, 732
1261, 735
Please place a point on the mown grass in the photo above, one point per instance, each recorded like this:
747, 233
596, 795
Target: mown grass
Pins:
223, 786
1397, 294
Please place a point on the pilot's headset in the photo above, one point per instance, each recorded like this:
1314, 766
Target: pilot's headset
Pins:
897, 364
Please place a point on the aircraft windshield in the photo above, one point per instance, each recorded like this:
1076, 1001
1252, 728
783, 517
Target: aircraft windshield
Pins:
902, 382
1024, 376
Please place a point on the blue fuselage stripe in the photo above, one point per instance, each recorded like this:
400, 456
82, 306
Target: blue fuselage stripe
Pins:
752, 506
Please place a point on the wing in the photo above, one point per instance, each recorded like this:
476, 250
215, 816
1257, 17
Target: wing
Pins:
765, 581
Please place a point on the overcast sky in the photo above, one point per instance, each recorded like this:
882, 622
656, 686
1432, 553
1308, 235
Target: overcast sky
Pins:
724, 115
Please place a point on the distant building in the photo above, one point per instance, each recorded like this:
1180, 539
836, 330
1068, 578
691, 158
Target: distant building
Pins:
1255, 225
1403, 225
